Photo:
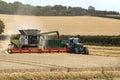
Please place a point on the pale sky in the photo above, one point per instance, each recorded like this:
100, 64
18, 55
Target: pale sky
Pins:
109, 5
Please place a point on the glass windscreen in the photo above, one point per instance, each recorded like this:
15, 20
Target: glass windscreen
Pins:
33, 39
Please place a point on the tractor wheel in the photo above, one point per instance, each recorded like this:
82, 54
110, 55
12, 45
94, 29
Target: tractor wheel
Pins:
77, 51
71, 50
86, 51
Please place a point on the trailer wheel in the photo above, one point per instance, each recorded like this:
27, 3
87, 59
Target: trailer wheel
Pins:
86, 51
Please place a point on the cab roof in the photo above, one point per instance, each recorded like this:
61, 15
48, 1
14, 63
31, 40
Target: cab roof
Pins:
30, 32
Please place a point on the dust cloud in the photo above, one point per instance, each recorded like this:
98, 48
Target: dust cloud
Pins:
16, 23
21, 22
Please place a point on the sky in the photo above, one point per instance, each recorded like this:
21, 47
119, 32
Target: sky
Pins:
109, 5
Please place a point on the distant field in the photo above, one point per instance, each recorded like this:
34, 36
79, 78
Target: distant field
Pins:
82, 25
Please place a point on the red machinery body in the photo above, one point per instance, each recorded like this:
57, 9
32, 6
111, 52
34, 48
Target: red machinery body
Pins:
64, 50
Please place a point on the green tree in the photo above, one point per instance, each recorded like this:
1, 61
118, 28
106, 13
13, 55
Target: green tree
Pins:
91, 10
2, 26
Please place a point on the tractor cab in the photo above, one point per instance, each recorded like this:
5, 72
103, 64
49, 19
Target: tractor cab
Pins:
75, 46
74, 40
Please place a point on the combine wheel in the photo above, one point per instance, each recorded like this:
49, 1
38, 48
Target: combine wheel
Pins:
13, 46
7, 51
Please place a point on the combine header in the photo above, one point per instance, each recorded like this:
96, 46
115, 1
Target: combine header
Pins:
32, 41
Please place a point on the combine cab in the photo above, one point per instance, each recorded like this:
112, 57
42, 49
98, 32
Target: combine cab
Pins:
27, 39
32, 41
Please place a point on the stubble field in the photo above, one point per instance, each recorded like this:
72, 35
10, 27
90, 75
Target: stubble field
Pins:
57, 66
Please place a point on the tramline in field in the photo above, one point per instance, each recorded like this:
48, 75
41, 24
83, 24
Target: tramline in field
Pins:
33, 41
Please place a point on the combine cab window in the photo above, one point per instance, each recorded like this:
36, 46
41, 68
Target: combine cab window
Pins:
33, 39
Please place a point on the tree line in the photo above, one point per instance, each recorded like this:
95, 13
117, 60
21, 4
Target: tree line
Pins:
56, 10
2, 27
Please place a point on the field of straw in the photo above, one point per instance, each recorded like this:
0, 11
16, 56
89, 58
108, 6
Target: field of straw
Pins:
58, 66
82, 25
57, 62
104, 50
86, 75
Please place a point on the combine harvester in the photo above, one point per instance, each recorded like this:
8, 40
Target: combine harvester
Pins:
32, 41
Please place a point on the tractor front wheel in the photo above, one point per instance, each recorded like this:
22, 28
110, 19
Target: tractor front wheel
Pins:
86, 51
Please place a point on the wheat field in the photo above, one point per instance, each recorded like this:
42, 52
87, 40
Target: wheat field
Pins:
102, 63
57, 62
58, 66
85, 75
82, 25
104, 50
